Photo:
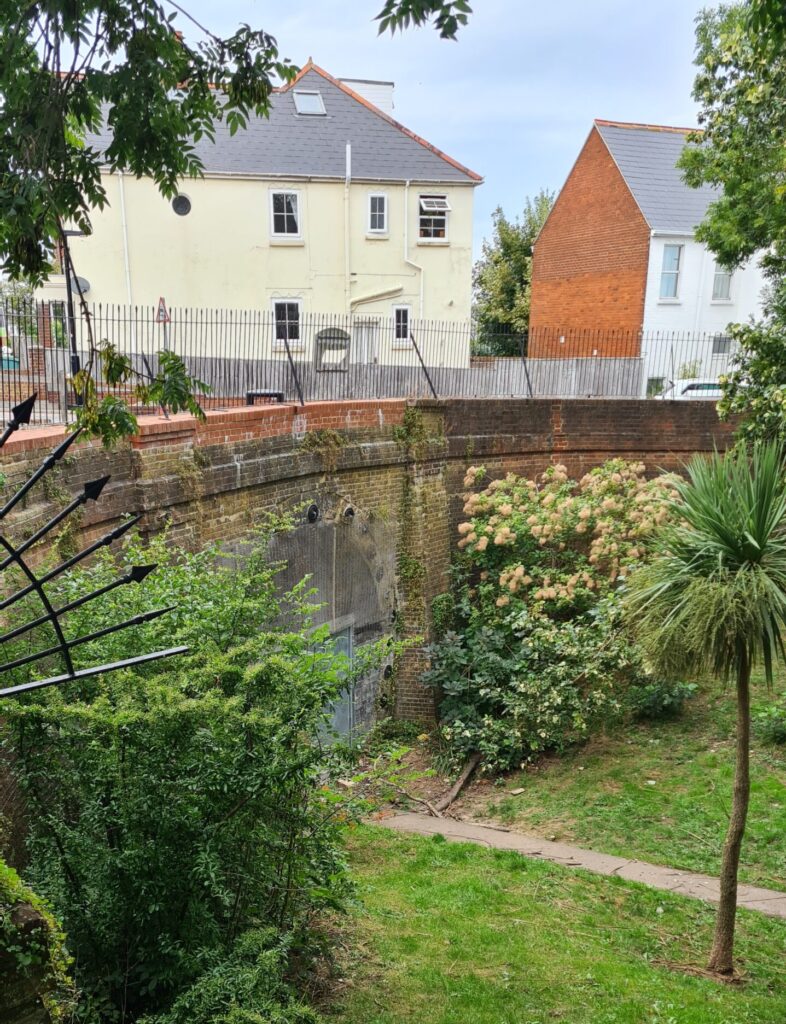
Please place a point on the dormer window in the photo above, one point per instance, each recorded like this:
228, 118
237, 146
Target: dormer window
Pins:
310, 104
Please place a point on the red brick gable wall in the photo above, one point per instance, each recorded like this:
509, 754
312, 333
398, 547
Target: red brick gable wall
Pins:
589, 267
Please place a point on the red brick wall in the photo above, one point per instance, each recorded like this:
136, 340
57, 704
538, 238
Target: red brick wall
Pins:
590, 263
211, 480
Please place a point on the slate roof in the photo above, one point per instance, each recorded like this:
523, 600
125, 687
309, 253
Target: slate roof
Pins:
646, 156
288, 145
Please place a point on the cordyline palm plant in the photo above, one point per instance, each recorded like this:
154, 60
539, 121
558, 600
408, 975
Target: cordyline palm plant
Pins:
713, 600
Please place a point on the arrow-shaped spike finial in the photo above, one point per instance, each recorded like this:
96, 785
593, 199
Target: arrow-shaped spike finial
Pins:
139, 572
94, 487
20, 414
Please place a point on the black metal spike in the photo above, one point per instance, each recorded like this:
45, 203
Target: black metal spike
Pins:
20, 416
134, 575
52, 459
139, 572
91, 492
137, 620
84, 673
93, 488
108, 538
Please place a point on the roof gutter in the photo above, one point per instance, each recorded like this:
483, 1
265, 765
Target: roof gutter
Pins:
271, 176
672, 234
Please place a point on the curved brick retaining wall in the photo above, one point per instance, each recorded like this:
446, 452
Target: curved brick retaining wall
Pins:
398, 465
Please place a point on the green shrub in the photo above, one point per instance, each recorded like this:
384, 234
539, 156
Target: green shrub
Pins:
656, 699
174, 808
248, 986
514, 690
770, 723
537, 657
33, 956
390, 732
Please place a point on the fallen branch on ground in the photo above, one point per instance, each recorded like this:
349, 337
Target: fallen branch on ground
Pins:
431, 808
445, 801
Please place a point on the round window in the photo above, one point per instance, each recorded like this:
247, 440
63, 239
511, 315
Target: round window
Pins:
181, 205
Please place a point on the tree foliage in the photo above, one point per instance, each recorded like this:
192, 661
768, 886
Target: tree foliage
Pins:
502, 277
447, 15
65, 69
713, 599
740, 85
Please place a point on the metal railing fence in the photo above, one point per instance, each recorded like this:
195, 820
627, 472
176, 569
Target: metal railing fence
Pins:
254, 355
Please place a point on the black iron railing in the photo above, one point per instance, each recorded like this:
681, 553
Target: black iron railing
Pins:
248, 355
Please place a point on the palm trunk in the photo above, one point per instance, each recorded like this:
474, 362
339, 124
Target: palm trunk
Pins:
722, 954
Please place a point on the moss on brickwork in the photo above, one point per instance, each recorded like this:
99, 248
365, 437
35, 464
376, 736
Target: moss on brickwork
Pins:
189, 470
68, 539
412, 431
411, 570
35, 981
443, 614
325, 443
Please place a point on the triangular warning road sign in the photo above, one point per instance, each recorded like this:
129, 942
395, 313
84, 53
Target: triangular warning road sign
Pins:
162, 314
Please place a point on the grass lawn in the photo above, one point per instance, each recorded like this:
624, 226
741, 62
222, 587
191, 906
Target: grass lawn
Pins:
659, 791
455, 934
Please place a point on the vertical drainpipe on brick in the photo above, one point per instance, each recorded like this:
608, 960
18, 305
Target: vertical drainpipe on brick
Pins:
347, 264
124, 225
407, 260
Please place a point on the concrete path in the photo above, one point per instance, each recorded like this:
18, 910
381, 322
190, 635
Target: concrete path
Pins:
684, 883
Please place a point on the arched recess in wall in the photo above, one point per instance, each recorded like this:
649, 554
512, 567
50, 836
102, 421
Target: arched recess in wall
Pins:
351, 562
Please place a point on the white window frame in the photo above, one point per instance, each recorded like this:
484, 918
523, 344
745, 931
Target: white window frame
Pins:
284, 235
309, 113
397, 341
295, 345
676, 274
719, 271
430, 207
378, 232
722, 345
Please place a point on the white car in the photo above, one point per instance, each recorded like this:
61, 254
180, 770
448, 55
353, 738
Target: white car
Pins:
691, 389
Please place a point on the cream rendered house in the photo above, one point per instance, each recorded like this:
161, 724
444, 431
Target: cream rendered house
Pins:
329, 207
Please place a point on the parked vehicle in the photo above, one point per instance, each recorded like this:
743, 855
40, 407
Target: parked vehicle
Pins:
705, 388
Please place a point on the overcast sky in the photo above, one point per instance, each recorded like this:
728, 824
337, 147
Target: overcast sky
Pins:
515, 96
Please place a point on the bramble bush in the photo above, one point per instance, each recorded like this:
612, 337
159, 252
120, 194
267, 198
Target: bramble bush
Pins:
178, 819
532, 655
